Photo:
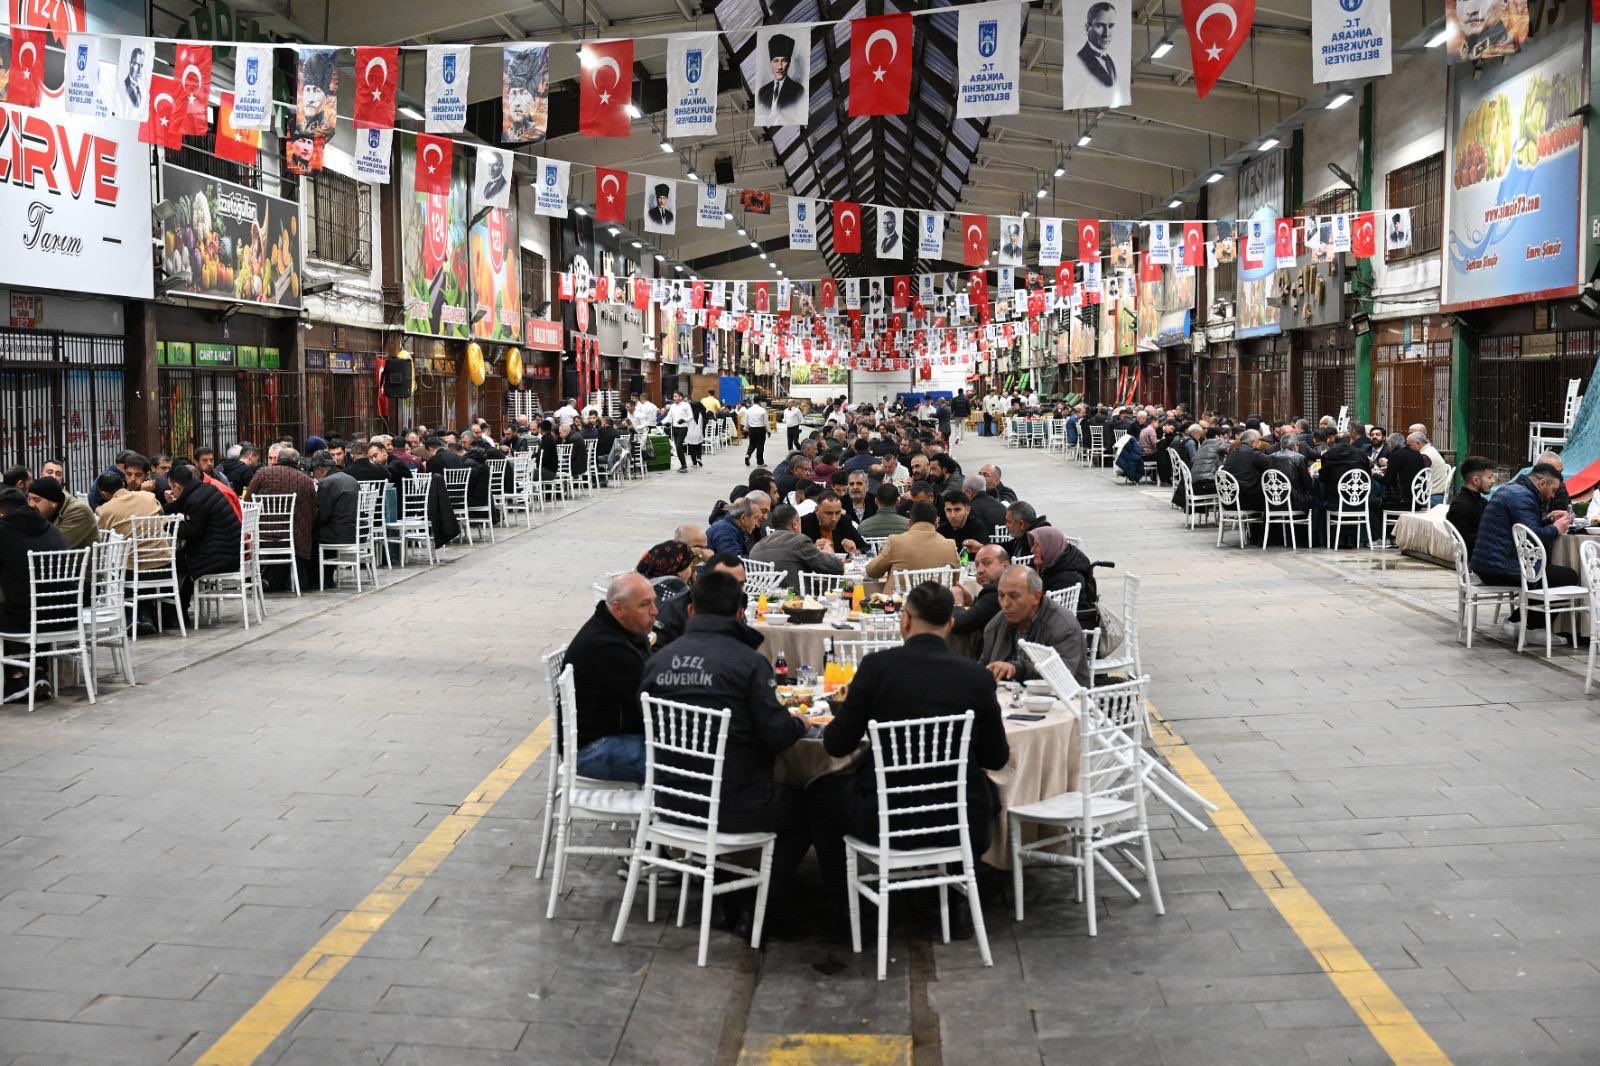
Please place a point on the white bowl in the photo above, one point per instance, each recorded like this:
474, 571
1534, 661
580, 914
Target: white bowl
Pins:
776, 618
1037, 685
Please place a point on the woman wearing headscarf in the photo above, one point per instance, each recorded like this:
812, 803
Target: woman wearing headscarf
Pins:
668, 567
1061, 565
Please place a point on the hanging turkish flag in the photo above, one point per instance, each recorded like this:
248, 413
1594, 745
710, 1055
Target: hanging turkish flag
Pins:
975, 239
165, 124
978, 289
712, 315
697, 295
1064, 280
763, 297
1035, 304
605, 88
902, 292
433, 164
1211, 47
27, 68
1149, 269
742, 324
1283, 235
846, 227
880, 65
233, 144
828, 297
1363, 236
641, 293
1194, 244
1088, 240
192, 66
377, 87
610, 194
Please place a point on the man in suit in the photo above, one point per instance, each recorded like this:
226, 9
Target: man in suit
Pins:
778, 103
922, 678
920, 547
338, 501
791, 552
1011, 247
1095, 55
661, 214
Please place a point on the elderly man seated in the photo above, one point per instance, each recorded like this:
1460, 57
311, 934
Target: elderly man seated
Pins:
920, 547
1025, 615
607, 657
735, 530
791, 552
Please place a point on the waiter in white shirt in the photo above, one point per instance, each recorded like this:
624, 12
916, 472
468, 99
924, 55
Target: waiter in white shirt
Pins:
679, 415
567, 413
755, 427
645, 415
791, 423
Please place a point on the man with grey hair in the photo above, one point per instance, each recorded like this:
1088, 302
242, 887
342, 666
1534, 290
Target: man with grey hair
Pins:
986, 509
607, 658
1025, 615
1247, 462
1404, 463
285, 478
735, 530
695, 538
1439, 472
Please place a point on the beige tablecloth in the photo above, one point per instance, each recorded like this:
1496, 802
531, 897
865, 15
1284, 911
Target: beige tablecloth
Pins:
1565, 552
1044, 762
1422, 534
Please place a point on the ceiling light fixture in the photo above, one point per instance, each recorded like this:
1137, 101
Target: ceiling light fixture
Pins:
638, 244
613, 231
743, 232
666, 146
412, 113
693, 176
1174, 203
1213, 177
1061, 172
727, 216
634, 112
1041, 194
1439, 38
1162, 49
660, 258
1267, 145
1084, 140
1026, 213
678, 267
1339, 101
584, 211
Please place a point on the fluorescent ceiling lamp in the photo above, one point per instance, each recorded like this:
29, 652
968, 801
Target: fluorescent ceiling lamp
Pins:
1267, 145
634, 112
1439, 38
1083, 140
660, 258
666, 146
1175, 203
613, 231
693, 176
763, 255
753, 244
1040, 195
727, 216
581, 210
1061, 172
742, 231
410, 112
1026, 213
1162, 49
638, 244
1339, 101
1213, 177
678, 267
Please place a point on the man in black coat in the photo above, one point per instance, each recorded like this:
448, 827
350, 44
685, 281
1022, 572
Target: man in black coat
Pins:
673, 616
1466, 510
1247, 462
922, 678
607, 659
441, 513
830, 521
1340, 458
716, 664
22, 530
967, 628
988, 511
338, 501
208, 536
960, 525
1405, 463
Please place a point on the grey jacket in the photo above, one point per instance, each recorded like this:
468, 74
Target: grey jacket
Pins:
1051, 626
1207, 459
794, 554
338, 499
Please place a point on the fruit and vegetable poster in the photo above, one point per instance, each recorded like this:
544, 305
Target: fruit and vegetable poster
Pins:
496, 276
232, 243
1515, 166
433, 251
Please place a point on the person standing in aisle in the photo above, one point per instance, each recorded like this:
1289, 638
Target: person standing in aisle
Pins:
960, 410
755, 427
679, 415
791, 423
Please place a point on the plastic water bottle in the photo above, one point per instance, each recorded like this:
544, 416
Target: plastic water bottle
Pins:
807, 677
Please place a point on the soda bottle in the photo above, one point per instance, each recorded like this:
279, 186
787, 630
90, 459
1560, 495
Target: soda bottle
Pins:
857, 594
780, 667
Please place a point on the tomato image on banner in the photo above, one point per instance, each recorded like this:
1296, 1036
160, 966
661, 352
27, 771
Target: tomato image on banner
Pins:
433, 253
496, 276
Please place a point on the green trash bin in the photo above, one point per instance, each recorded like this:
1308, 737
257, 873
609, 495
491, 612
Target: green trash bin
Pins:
662, 460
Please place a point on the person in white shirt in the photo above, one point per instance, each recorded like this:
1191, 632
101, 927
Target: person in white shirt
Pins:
755, 428
791, 425
567, 413
645, 415
695, 437
679, 415
926, 411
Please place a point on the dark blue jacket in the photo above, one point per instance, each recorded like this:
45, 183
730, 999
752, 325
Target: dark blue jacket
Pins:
725, 536
1495, 553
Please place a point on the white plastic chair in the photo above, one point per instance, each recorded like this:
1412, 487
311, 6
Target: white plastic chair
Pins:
1471, 592
1570, 600
154, 577
414, 526
362, 554
1281, 512
921, 768
1000, 534
1196, 506
456, 479
824, 584
213, 591
591, 466
756, 566
1098, 453
1421, 489
1589, 559
906, 580
1229, 514
105, 614
517, 495
881, 627
1094, 817
1353, 496
578, 799
565, 485
499, 488
685, 749
758, 581
851, 652
1066, 599
1126, 657
875, 545
276, 547
55, 619
1543, 436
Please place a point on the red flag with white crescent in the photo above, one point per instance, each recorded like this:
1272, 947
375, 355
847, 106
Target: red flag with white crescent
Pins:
377, 87
1283, 238
829, 294
1364, 236
433, 164
880, 65
1149, 269
846, 227
975, 239
191, 67
605, 88
641, 293
1217, 30
697, 295
610, 195
902, 292
165, 124
1088, 240
978, 293
1064, 280
27, 68
1194, 244
763, 296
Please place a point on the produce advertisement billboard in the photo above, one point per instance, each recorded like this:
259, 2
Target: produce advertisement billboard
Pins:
433, 250
496, 276
232, 243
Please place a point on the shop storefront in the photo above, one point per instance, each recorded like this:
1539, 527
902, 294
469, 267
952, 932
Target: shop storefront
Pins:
1264, 378
1218, 388
222, 382
1326, 372
341, 381
61, 397
541, 363
1411, 377
434, 402
1524, 357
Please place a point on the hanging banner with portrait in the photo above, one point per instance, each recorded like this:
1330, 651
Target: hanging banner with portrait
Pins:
433, 250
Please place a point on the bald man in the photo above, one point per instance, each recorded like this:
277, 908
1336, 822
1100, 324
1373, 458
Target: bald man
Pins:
974, 612
607, 659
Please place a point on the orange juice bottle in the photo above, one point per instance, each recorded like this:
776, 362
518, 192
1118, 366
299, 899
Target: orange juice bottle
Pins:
761, 607
858, 593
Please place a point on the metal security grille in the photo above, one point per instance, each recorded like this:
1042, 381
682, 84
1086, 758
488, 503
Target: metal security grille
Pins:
535, 284
1411, 385
200, 154
1219, 386
1264, 385
1336, 202
1419, 186
1327, 380
216, 409
61, 398
339, 219
1521, 379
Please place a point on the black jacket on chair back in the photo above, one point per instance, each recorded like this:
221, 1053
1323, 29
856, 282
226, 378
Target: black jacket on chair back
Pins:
21, 532
208, 536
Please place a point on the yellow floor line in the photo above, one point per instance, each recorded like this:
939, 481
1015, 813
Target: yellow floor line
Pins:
826, 1049
1369, 995
295, 991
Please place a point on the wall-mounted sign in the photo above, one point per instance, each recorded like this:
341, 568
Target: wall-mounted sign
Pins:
27, 310
206, 354
233, 243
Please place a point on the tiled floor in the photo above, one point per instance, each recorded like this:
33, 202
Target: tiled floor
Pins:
169, 854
